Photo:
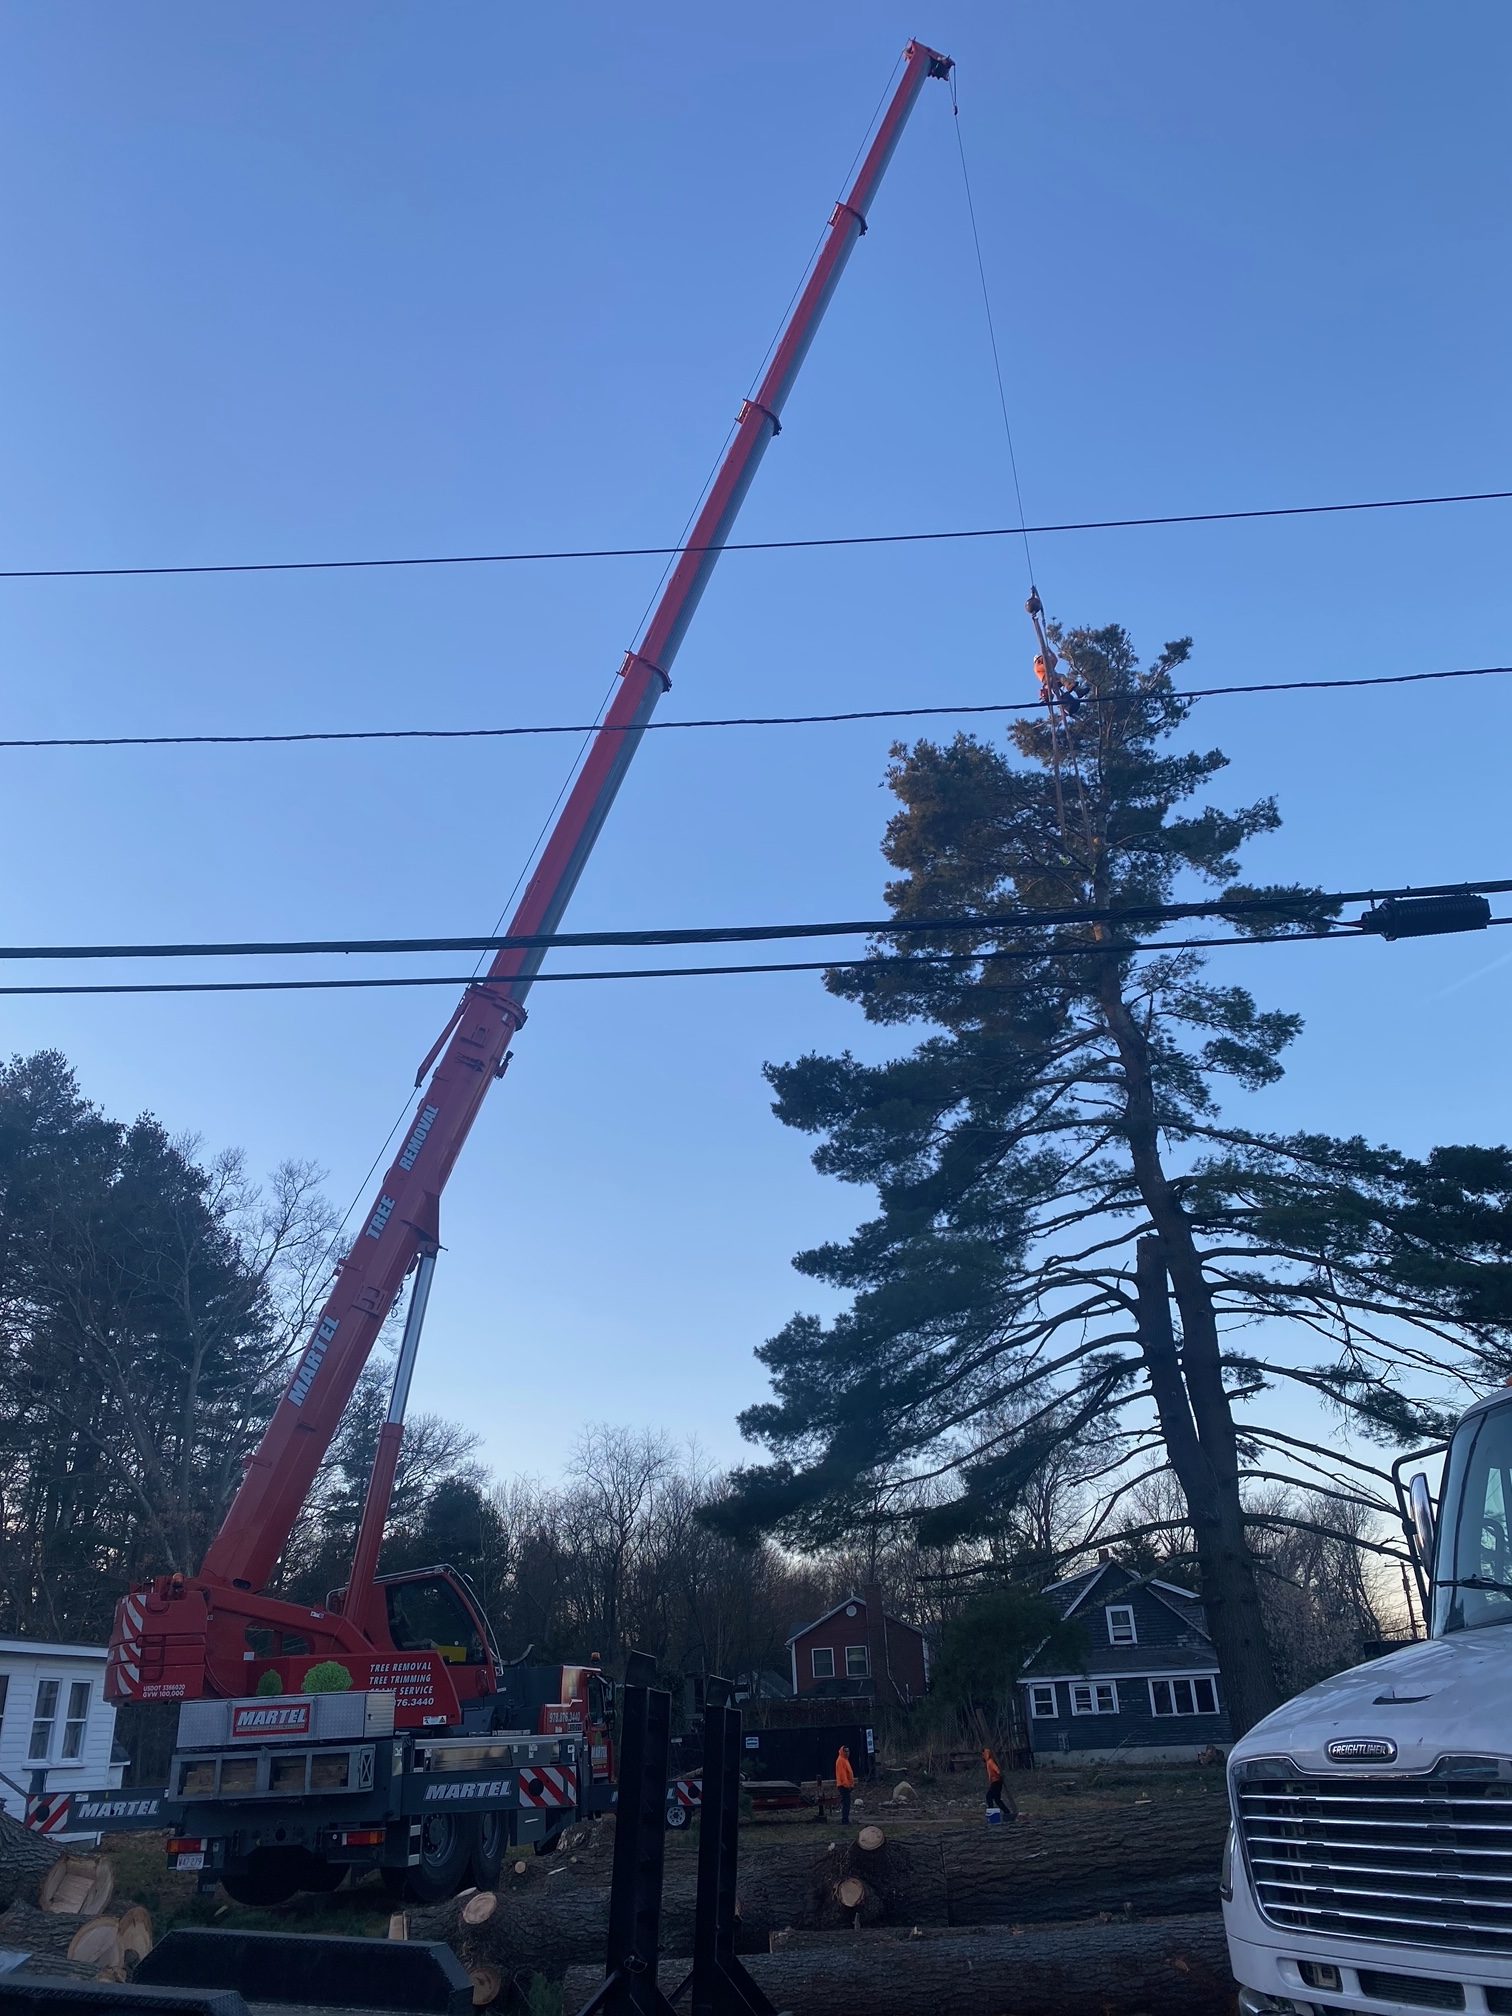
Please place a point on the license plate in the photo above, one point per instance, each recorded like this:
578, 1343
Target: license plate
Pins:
189, 1861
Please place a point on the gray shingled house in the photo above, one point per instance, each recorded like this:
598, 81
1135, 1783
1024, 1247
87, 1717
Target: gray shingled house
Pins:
1149, 1684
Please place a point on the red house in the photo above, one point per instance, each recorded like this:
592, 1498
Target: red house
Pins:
858, 1650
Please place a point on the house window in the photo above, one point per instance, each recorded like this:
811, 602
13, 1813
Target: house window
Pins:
1042, 1701
823, 1658
44, 1715
1094, 1697
1184, 1697
78, 1719
1121, 1630
857, 1664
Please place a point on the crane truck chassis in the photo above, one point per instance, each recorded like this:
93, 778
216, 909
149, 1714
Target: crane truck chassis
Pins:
273, 1792
278, 1793
1369, 1866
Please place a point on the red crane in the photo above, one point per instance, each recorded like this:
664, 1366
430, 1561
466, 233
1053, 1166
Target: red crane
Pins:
181, 1637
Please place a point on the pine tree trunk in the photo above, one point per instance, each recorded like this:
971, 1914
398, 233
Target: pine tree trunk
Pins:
1179, 1967
1196, 1418
1230, 1592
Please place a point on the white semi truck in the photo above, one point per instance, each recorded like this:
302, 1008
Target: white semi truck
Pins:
1369, 1866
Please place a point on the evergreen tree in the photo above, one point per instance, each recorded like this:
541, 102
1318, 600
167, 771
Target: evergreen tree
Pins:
1058, 1149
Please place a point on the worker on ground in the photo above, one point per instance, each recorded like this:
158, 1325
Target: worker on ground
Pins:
845, 1782
995, 1796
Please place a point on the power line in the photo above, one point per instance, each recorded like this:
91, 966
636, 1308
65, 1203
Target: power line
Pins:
1306, 903
722, 721
1079, 950
749, 545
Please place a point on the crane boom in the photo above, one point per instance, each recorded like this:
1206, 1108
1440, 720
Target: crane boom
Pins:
401, 1226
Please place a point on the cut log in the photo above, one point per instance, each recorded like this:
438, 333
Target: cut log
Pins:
35, 1930
1179, 1968
25, 1859
850, 1893
134, 1930
1075, 1866
870, 1839
799, 1938
522, 1868
480, 1907
56, 1967
486, 1983
82, 1884
98, 1942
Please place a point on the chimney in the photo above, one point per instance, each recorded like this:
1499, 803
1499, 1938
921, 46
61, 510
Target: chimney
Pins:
1104, 1555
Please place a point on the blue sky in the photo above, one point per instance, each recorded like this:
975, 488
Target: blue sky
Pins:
289, 282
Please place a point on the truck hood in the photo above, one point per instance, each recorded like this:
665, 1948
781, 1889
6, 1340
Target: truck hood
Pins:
1446, 1697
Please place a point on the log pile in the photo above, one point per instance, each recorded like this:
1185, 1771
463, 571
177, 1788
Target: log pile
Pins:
1178, 1966
1123, 1870
55, 1911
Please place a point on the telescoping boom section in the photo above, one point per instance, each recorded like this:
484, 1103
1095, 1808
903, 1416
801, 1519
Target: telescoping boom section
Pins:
181, 1637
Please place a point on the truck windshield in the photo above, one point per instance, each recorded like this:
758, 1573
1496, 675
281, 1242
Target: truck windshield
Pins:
1473, 1560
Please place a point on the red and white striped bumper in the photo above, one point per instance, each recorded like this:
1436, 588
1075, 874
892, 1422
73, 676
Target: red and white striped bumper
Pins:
47, 1812
549, 1786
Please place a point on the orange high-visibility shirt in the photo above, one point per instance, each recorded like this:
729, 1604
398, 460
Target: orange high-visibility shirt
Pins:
994, 1774
844, 1775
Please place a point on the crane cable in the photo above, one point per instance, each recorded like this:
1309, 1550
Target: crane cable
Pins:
1046, 662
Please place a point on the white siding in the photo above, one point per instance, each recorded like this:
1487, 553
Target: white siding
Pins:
24, 1668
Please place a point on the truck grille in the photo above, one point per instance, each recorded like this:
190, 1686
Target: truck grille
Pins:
1422, 1861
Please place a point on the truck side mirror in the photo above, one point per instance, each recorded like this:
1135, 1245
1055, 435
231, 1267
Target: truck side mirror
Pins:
1421, 1503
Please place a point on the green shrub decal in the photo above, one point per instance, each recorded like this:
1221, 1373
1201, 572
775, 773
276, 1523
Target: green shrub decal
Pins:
329, 1677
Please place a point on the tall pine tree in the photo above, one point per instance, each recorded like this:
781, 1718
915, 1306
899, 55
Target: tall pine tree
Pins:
1058, 1161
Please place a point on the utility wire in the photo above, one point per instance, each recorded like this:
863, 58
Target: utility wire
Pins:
1079, 950
749, 545
723, 721
1307, 903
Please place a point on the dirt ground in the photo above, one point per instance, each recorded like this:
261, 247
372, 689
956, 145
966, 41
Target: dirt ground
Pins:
944, 1800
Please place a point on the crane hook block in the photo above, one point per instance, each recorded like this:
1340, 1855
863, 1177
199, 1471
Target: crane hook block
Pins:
1427, 916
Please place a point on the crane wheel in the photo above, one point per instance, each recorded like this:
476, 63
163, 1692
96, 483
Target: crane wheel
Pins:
492, 1838
447, 1842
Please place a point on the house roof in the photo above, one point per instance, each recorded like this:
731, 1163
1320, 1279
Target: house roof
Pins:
1069, 1594
834, 1611
41, 1648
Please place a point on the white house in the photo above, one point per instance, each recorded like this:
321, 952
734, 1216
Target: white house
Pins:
54, 1717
